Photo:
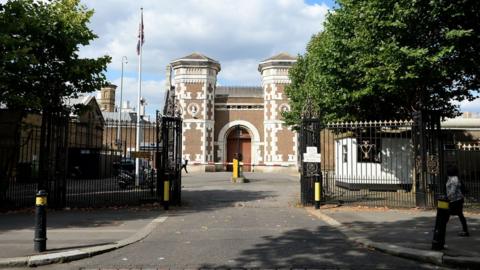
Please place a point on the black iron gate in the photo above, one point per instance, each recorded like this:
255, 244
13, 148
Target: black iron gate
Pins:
386, 163
428, 174
309, 139
169, 159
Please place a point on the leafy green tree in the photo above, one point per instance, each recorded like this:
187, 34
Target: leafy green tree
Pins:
384, 59
39, 63
40, 66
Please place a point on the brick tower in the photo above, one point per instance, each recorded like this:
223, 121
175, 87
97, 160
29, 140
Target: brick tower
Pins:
195, 78
280, 141
106, 100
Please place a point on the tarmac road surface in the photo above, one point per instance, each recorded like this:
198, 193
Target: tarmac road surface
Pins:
250, 225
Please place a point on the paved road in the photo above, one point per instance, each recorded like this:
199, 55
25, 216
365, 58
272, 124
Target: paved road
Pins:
256, 224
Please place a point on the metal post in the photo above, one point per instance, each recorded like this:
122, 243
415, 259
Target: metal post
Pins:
443, 215
317, 191
40, 240
137, 141
166, 194
119, 132
235, 169
421, 159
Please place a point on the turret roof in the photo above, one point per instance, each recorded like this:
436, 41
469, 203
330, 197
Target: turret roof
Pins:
281, 56
280, 60
196, 59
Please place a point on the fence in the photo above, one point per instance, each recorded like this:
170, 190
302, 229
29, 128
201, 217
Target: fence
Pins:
368, 163
376, 164
467, 157
95, 167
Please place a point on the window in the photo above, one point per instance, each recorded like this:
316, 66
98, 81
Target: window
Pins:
344, 153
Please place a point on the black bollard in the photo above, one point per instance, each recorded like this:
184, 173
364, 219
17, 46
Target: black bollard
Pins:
40, 240
443, 215
317, 191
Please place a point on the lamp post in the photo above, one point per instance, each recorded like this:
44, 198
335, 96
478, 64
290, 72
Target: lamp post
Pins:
119, 133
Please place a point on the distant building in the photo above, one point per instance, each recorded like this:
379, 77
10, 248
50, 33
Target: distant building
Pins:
106, 98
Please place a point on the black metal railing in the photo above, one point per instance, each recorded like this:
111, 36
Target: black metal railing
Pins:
383, 163
368, 163
466, 156
95, 165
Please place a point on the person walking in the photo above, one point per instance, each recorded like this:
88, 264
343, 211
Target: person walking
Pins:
184, 164
456, 197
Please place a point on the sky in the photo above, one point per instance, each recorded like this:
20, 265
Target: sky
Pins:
238, 34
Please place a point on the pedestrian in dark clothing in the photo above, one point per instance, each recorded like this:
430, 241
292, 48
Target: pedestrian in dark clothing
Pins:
184, 165
456, 197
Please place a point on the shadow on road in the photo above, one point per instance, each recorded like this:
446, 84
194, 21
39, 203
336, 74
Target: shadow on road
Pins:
326, 247
209, 200
322, 248
84, 218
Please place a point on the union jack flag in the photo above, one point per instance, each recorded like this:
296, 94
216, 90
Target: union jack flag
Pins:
141, 37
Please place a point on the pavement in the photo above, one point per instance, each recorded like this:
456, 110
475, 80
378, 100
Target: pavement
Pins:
210, 202
74, 234
406, 233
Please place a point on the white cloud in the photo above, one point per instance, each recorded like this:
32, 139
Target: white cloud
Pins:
239, 34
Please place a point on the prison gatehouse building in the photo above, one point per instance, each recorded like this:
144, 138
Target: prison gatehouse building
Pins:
220, 122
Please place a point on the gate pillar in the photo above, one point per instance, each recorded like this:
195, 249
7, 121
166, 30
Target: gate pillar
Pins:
169, 159
310, 159
427, 141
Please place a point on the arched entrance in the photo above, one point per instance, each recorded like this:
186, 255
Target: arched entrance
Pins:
239, 141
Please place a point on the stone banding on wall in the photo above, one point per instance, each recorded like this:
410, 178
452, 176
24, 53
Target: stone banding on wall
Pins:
209, 115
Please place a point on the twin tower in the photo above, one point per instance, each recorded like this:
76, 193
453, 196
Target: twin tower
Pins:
221, 122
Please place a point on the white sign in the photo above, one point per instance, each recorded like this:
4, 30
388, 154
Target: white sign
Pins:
312, 155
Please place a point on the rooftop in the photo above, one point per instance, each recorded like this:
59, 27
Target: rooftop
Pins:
280, 60
196, 56
281, 56
239, 91
196, 59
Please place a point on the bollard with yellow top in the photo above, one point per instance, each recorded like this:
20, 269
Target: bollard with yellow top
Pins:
166, 194
40, 240
318, 191
441, 220
237, 172
235, 169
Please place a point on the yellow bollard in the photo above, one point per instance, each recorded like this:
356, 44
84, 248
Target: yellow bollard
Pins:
166, 194
235, 168
318, 191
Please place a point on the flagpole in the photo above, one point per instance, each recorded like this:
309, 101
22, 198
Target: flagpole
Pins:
119, 131
137, 143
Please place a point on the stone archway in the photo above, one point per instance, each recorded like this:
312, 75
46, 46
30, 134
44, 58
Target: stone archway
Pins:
239, 142
256, 156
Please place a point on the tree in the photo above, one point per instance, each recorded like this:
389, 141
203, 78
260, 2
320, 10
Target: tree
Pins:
384, 59
39, 63
40, 66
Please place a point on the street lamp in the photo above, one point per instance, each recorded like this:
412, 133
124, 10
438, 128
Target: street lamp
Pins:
119, 137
